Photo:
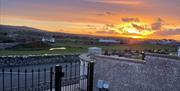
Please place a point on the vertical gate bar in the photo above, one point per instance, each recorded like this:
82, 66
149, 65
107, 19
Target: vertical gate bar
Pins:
58, 77
68, 81
75, 74
3, 79
90, 76
32, 79
83, 75
57, 74
18, 80
25, 79
61, 75
79, 75
51, 79
38, 79
44, 78
11, 78
70, 77
66, 77
143, 55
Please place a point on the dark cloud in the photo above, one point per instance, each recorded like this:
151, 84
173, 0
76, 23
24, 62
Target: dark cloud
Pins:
107, 32
157, 24
169, 32
109, 25
106, 29
130, 19
92, 27
105, 14
138, 27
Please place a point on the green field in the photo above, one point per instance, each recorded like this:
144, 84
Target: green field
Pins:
80, 48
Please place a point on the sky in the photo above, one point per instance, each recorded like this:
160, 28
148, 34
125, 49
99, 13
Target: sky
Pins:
147, 19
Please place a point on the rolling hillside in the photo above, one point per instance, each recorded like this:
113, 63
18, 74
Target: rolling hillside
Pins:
20, 33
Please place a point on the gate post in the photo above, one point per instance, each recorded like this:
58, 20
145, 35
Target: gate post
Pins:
58, 77
90, 76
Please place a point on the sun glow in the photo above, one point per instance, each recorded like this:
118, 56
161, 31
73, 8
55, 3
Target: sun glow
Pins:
137, 37
135, 29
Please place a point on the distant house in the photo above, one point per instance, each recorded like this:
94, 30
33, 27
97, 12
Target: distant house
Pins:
48, 39
163, 42
109, 41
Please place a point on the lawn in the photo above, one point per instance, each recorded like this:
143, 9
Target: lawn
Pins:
120, 47
40, 52
79, 48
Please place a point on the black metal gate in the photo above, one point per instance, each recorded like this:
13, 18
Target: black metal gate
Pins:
73, 75
80, 82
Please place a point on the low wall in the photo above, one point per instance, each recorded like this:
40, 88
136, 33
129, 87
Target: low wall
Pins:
156, 73
11, 61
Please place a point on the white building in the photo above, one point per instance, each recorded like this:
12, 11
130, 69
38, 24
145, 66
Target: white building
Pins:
48, 39
94, 51
108, 41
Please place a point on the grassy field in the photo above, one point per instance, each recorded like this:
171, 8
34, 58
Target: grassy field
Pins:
120, 47
78, 48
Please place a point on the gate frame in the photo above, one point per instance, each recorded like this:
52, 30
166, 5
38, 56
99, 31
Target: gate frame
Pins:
90, 76
58, 77
59, 74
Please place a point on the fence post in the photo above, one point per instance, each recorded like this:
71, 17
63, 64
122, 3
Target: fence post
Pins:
58, 77
90, 76
143, 56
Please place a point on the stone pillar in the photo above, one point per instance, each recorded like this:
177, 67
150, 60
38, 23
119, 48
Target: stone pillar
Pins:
179, 51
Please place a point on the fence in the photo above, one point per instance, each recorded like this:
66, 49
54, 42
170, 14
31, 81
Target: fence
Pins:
62, 77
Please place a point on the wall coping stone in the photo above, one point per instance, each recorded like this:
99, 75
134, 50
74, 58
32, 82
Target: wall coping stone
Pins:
162, 56
121, 59
45, 55
86, 57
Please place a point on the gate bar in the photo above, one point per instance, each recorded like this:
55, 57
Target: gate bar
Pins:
90, 76
58, 77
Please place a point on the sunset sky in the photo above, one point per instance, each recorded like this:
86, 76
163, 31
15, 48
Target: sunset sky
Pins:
154, 19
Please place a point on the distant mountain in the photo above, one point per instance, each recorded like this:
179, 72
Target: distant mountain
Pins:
19, 29
10, 33
31, 31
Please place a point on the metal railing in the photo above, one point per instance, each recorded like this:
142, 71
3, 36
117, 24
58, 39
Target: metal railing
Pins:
63, 77
26, 80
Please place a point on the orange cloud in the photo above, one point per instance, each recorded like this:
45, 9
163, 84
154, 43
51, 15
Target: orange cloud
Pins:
122, 2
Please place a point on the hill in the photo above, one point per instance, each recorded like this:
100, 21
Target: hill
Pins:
21, 33
9, 33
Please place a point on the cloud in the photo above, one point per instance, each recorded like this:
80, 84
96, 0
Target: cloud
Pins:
169, 32
107, 32
91, 27
130, 19
160, 28
138, 27
109, 25
106, 14
157, 25
121, 2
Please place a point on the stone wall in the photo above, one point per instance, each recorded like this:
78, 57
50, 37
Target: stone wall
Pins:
11, 61
156, 73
